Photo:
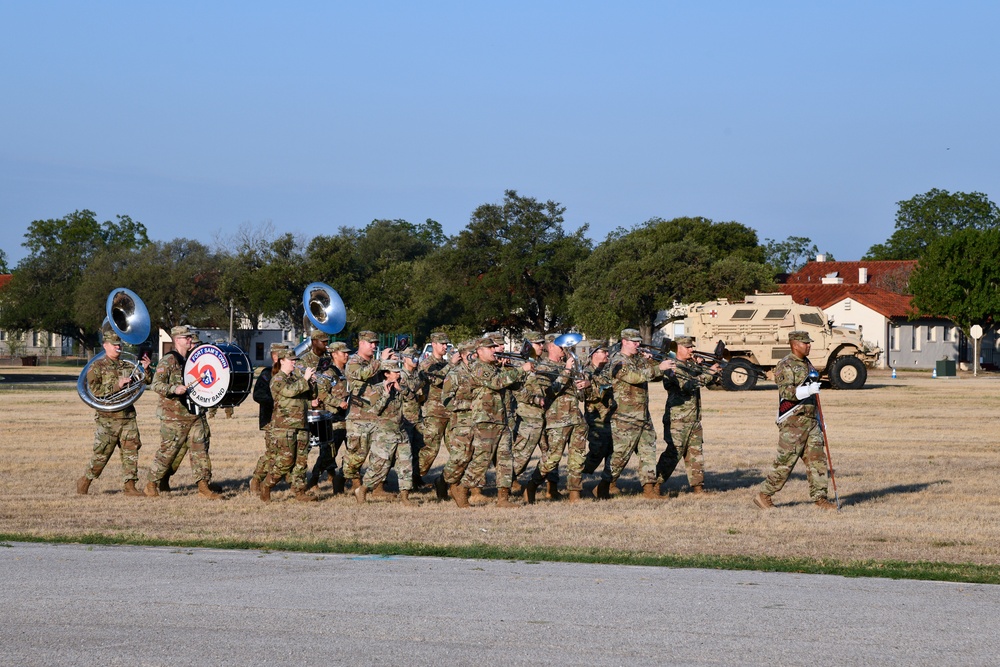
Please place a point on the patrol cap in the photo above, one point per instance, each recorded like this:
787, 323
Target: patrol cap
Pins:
801, 336
440, 337
111, 337
598, 345
551, 338
466, 346
409, 352
485, 341
285, 353
632, 335
534, 337
182, 330
684, 341
498, 341
316, 334
278, 346
368, 336
195, 338
337, 346
391, 366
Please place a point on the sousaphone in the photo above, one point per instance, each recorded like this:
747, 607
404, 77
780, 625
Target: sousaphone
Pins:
128, 317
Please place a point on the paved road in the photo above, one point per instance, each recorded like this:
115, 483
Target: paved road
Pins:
81, 605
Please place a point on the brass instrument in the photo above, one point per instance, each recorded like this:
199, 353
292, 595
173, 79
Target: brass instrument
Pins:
324, 309
128, 317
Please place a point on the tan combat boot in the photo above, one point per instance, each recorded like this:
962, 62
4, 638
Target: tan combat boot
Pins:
825, 504
574, 497
361, 493
379, 493
476, 497
460, 494
516, 488
530, 491
82, 485
553, 491
304, 497
265, 488
651, 491
698, 488
355, 483
205, 492
404, 499
151, 491
255, 486
503, 499
131, 491
763, 501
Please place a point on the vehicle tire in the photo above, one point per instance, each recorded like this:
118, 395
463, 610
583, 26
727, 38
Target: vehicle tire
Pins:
739, 375
848, 372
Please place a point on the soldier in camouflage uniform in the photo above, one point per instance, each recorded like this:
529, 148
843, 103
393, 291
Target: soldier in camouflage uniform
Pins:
388, 440
490, 431
262, 396
564, 424
529, 428
435, 416
293, 392
456, 396
364, 373
799, 432
413, 381
682, 416
598, 407
177, 425
631, 425
318, 358
338, 403
114, 429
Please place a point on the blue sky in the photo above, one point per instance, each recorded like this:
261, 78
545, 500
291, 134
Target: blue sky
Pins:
794, 118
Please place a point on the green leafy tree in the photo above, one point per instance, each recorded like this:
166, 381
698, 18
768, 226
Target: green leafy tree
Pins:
634, 274
42, 291
958, 277
790, 255
3, 262
511, 267
927, 217
178, 281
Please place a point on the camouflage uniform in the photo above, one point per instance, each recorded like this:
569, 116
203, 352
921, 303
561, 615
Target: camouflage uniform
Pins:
262, 396
564, 424
292, 395
114, 429
598, 407
363, 376
436, 416
457, 395
529, 431
388, 439
799, 436
178, 427
682, 422
490, 431
412, 415
631, 425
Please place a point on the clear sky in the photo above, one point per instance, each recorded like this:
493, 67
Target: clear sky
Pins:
794, 118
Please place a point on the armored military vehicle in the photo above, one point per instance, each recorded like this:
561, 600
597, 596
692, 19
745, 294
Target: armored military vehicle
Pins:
756, 336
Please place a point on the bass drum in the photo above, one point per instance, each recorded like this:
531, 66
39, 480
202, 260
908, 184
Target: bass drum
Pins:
218, 375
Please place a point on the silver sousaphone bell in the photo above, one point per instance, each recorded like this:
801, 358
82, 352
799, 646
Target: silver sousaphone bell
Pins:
128, 317
324, 310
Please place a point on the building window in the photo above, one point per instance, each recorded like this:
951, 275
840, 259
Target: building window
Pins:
915, 338
954, 335
894, 337
931, 331
3, 335
259, 351
34, 339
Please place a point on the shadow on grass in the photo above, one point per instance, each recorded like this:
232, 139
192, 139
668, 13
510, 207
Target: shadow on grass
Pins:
862, 497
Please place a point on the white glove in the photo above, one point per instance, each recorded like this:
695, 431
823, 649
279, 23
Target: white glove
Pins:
805, 391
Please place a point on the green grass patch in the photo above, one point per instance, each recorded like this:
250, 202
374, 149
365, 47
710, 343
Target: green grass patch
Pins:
928, 571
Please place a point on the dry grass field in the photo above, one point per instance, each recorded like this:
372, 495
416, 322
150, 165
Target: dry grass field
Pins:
916, 460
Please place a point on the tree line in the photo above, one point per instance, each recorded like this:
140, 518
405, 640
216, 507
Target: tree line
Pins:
513, 267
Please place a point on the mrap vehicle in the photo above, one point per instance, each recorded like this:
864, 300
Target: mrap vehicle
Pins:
755, 333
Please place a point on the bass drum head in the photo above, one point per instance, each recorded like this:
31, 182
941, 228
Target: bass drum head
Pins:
218, 375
